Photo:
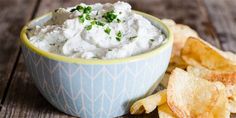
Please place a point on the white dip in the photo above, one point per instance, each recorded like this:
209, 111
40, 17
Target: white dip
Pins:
103, 31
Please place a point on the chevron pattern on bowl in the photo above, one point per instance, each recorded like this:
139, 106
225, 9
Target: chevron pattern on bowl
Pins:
91, 91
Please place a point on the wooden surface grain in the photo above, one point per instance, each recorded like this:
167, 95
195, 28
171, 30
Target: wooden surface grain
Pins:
22, 99
223, 17
13, 16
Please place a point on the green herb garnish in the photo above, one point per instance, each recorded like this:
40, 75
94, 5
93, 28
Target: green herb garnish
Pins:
52, 44
89, 27
72, 10
93, 22
110, 16
87, 10
133, 37
100, 23
118, 20
80, 8
107, 30
152, 40
81, 19
118, 36
87, 17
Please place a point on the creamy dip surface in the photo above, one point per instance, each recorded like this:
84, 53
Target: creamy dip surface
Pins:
102, 31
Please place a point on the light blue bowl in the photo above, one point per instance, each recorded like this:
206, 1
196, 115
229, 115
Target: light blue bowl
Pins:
95, 88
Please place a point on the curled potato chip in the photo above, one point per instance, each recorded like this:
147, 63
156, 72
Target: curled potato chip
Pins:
148, 104
230, 56
176, 61
231, 91
181, 33
231, 94
169, 22
222, 105
197, 52
164, 111
232, 104
189, 96
227, 78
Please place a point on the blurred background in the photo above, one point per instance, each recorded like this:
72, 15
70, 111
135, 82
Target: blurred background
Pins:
214, 20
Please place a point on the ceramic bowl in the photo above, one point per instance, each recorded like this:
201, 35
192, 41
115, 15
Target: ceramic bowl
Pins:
95, 88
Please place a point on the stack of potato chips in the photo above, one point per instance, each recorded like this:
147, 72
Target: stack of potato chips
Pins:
200, 80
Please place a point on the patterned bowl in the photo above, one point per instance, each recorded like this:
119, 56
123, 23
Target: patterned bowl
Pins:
95, 88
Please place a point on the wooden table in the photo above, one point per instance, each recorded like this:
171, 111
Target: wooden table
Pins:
214, 20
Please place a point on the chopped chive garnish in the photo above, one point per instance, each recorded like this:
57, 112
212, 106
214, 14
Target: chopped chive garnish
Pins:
72, 10
110, 16
89, 27
100, 23
80, 8
87, 17
152, 40
133, 37
118, 20
107, 30
93, 22
87, 10
81, 19
118, 36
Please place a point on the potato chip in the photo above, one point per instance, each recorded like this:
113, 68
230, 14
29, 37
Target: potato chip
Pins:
227, 78
227, 55
169, 22
176, 61
164, 111
198, 53
232, 104
190, 96
221, 107
148, 104
231, 90
231, 94
181, 33
230, 56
